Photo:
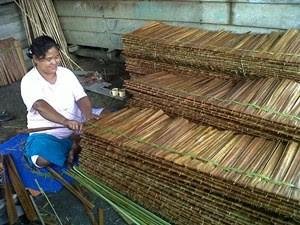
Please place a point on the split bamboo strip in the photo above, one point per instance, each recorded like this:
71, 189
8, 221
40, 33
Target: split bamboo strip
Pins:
245, 55
37, 210
88, 211
100, 216
32, 130
266, 107
68, 186
12, 65
194, 174
48, 200
128, 208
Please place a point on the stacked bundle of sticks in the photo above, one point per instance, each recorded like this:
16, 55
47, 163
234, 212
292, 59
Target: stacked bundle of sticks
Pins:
194, 174
164, 47
12, 65
266, 107
40, 18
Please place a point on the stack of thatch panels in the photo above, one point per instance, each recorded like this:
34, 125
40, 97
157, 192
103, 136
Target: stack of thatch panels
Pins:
266, 107
158, 47
194, 174
140, 67
12, 65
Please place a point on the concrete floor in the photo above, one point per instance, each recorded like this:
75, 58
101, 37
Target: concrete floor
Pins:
71, 212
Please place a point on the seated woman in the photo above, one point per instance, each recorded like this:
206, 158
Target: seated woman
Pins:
54, 98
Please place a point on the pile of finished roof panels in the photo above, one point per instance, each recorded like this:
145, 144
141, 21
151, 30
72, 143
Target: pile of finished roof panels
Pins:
194, 174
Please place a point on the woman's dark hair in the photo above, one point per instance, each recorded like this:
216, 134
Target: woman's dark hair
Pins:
40, 46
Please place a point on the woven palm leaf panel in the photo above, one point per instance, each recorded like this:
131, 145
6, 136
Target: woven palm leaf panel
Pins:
12, 65
266, 107
140, 67
252, 55
193, 174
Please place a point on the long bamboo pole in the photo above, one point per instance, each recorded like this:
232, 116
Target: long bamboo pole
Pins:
20, 189
8, 194
84, 201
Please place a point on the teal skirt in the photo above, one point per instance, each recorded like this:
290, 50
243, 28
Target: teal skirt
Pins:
51, 148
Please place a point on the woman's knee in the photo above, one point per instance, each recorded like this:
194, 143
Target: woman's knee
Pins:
41, 162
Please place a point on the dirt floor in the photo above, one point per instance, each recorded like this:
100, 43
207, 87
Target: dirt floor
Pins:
67, 206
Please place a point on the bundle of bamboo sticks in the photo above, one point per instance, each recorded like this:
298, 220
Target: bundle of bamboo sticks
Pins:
40, 18
266, 107
244, 55
12, 65
194, 174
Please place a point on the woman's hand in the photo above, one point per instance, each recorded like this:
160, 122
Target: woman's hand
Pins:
73, 125
91, 117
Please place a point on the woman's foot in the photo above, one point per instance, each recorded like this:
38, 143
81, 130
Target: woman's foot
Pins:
34, 193
73, 154
75, 149
71, 157
41, 162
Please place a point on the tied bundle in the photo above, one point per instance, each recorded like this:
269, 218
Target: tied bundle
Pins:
12, 65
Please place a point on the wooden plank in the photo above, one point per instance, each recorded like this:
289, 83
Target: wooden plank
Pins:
87, 24
116, 26
8, 9
233, 1
236, 29
88, 35
10, 19
209, 12
267, 15
103, 40
112, 40
102, 23
11, 28
11, 23
2, 2
9, 13
122, 26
